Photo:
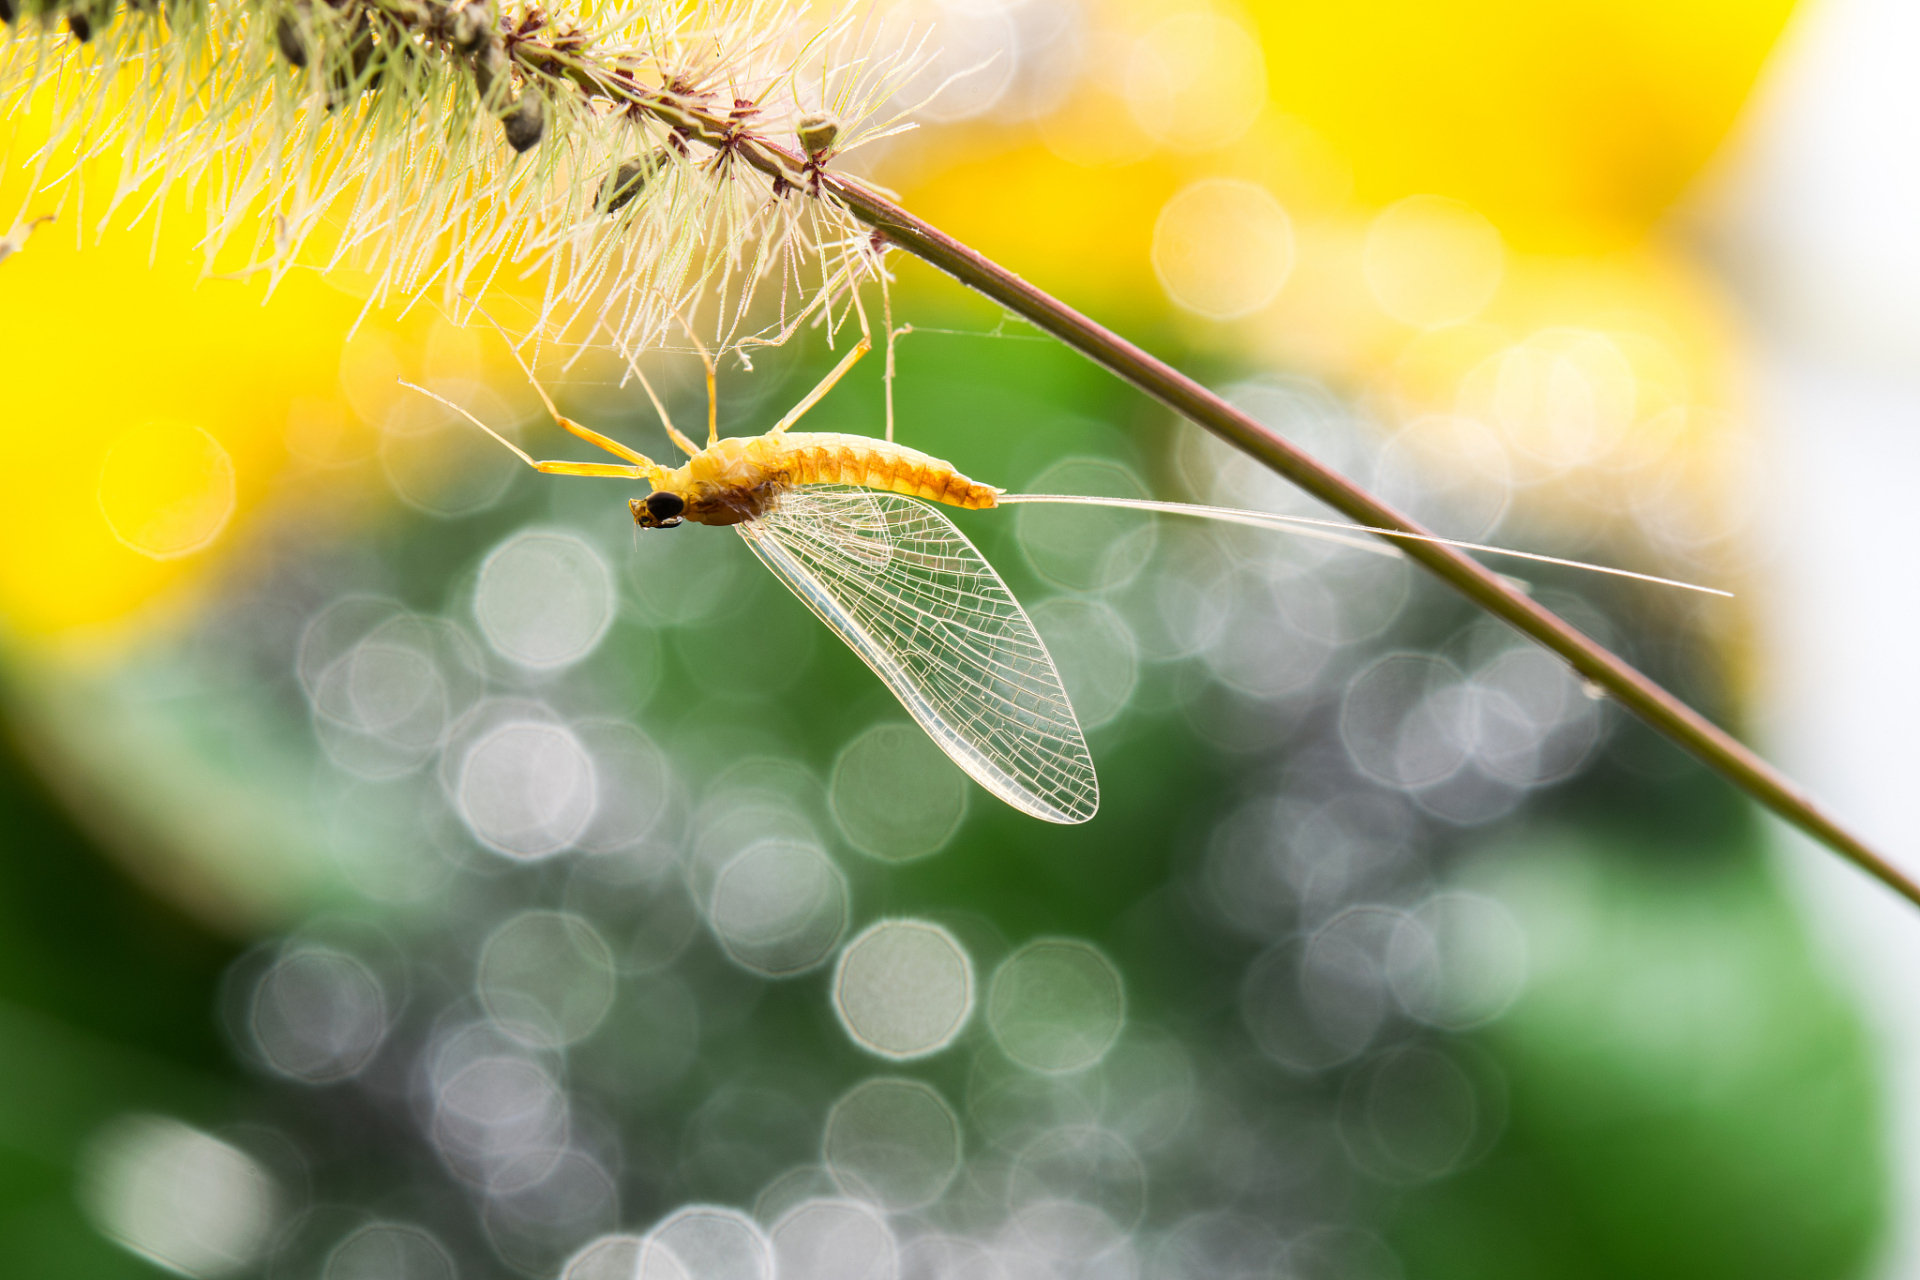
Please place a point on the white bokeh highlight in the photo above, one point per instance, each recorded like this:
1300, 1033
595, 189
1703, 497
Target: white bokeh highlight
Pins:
528, 788
1056, 1005
892, 1142
179, 1197
546, 977
317, 1015
835, 1240
779, 907
713, 1242
389, 1251
895, 795
903, 988
544, 599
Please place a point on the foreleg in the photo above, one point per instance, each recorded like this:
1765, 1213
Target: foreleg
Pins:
839, 371
641, 469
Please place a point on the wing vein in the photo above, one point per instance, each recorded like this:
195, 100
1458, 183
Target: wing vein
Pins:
903, 587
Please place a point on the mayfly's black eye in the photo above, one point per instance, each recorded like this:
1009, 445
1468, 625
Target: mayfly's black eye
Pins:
666, 506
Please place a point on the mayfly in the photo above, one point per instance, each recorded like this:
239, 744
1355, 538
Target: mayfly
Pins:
844, 522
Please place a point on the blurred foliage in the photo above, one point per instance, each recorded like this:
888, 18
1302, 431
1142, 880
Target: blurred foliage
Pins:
105, 1001
1678, 1070
1681, 1070
1680, 1089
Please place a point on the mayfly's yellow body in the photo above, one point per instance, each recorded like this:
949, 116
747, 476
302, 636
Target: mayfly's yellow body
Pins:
833, 517
743, 477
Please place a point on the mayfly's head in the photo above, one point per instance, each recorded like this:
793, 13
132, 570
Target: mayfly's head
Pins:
660, 509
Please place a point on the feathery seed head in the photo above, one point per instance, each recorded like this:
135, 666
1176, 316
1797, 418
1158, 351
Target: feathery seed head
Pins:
626, 160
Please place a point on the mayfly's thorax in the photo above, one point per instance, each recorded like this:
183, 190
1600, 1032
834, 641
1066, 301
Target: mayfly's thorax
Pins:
728, 482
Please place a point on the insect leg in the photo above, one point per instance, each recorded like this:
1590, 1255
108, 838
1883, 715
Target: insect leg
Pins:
713, 399
686, 446
886, 315
642, 470
588, 434
847, 362
613, 470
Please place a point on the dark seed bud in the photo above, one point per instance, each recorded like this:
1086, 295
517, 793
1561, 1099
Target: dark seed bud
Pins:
292, 47
467, 28
84, 17
628, 179
817, 132
360, 55
7, 11
490, 68
526, 122
353, 76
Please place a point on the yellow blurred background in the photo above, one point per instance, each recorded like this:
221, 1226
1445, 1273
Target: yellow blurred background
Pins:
1441, 208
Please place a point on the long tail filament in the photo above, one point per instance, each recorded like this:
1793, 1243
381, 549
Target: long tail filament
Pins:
1332, 528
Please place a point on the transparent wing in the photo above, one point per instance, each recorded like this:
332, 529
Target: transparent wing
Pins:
907, 591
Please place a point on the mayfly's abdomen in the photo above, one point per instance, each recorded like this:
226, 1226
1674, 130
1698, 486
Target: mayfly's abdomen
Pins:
831, 458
